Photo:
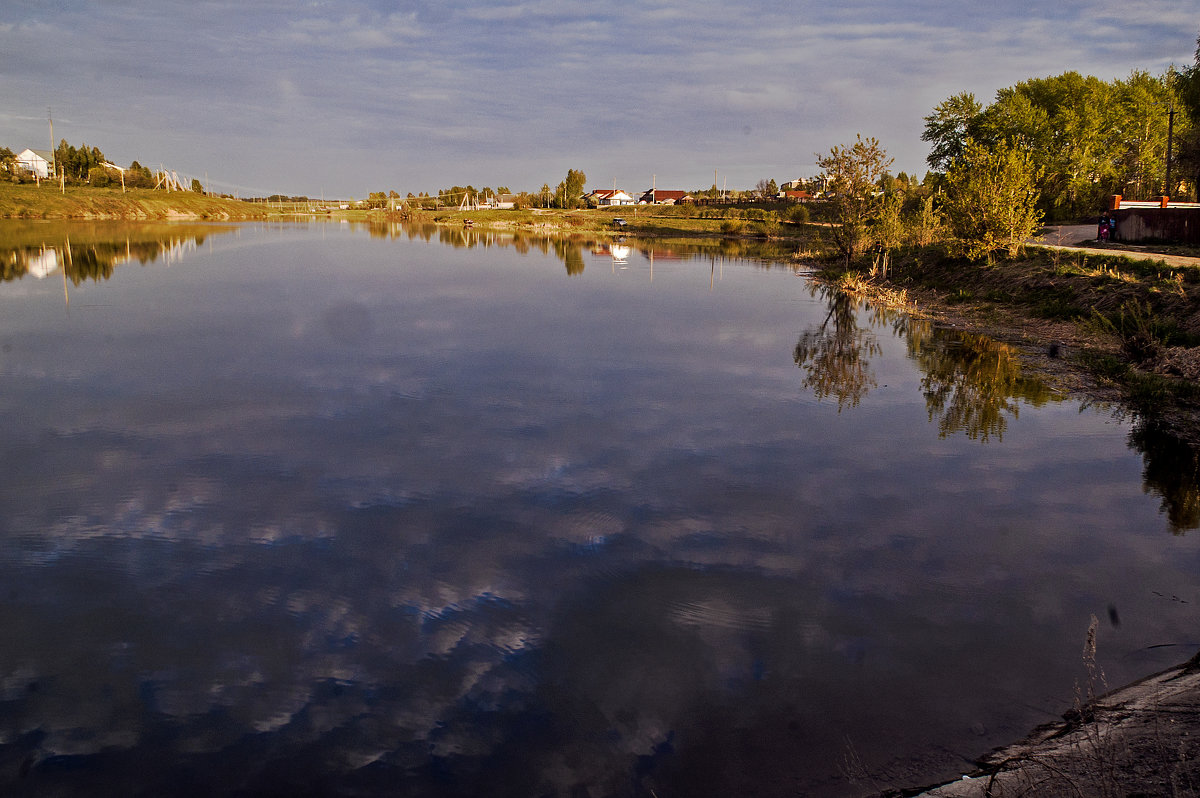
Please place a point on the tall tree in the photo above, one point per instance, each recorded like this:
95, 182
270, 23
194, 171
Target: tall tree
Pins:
953, 121
569, 193
1188, 141
853, 173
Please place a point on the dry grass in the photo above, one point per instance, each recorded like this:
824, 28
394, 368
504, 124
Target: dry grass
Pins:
29, 201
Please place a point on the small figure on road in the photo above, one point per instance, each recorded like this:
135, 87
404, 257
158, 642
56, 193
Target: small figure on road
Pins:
1104, 229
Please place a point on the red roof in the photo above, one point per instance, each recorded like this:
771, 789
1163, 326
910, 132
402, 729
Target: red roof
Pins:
661, 194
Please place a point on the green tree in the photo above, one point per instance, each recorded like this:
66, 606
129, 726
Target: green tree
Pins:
197, 186
1138, 121
569, 193
953, 121
766, 189
927, 224
138, 176
853, 173
99, 177
888, 232
1187, 142
991, 199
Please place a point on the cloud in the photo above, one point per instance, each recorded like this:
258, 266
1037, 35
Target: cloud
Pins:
422, 95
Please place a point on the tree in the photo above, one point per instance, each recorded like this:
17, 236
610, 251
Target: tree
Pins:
1089, 137
887, 232
766, 189
138, 176
197, 186
953, 121
991, 199
1187, 87
569, 193
853, 173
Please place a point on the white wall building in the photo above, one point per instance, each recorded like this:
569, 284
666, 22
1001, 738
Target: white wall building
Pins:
39, 162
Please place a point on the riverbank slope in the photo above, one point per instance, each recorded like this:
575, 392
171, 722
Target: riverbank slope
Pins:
48, 201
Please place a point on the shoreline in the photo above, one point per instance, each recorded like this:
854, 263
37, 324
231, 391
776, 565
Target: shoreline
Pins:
1140, 739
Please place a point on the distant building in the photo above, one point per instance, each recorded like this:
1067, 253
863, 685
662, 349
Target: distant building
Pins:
795, 196
504, 202
608, 196
793, 185
38, 162
660, 196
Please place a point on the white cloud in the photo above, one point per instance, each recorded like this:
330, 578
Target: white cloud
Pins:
546, 83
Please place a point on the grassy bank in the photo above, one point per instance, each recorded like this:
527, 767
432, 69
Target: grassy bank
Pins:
48, 201
771, 221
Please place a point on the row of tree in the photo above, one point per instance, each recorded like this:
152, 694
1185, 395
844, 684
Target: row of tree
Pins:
1088, 138
1046, 149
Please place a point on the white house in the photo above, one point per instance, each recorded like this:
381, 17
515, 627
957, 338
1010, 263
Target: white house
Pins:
609, 196
39, 162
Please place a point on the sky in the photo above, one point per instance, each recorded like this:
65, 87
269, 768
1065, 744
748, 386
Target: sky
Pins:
339, 98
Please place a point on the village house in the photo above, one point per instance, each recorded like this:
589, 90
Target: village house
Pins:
502, 202
38, 162
660, 196
608, 196
795, 196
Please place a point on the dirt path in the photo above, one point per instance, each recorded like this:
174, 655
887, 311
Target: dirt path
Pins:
1082, 238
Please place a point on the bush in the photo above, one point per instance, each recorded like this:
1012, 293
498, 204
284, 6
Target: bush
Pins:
799, 215
99, 177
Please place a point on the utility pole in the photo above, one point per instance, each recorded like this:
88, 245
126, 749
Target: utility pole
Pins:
50, 119
1170, 134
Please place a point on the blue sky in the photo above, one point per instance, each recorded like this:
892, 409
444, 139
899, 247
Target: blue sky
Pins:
344, 97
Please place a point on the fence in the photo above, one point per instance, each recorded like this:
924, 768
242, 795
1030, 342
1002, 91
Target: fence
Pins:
1156, 220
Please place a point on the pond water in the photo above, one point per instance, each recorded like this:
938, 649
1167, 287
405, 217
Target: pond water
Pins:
333, 509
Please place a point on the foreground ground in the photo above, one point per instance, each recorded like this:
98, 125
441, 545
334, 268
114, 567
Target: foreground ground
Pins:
1141, 740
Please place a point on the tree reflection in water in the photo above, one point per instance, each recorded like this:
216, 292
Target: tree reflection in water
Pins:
1171, 469
92, 251
971, 383
835, 354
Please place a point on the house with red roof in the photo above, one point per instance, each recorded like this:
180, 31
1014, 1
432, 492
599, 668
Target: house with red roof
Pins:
662, 196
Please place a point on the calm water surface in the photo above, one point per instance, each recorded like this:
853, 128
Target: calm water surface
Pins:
317, 509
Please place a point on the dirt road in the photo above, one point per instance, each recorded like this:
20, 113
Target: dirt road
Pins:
1082, 238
